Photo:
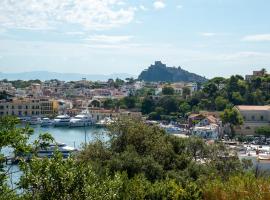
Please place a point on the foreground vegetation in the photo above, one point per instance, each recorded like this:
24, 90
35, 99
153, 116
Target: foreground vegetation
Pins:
138, 162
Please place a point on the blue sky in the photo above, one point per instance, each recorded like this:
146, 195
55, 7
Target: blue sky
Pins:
208, 37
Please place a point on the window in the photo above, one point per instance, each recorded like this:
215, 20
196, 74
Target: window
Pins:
262, 118
253, 117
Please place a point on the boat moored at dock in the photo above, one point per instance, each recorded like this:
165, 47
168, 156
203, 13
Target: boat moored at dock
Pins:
48, 151
61, 120
46, 122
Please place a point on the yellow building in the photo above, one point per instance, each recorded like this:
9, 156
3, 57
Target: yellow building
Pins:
26, 107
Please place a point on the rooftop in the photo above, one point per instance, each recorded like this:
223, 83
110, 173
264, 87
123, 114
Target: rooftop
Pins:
248, 107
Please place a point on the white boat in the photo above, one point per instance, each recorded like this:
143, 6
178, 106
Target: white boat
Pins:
48, 151
61, 120
34, 121
80, 120
46, 122
264, 157
104, 122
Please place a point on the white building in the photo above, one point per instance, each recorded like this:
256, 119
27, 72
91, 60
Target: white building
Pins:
207, 132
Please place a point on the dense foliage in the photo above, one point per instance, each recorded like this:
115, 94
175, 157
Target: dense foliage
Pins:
217, 94
138, 162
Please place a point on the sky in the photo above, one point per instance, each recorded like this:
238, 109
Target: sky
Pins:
207, 37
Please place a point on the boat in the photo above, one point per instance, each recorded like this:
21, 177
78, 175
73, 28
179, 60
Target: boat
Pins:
34, 121
48, 151
80, 120
104, 122
61, 120
46, 122
263, 157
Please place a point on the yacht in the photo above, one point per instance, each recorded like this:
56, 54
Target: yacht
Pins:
46, 122
34, 121
61, 120
80, 120
48, 151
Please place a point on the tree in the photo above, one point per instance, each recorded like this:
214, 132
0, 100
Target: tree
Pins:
221, 103
205, 104
110, 103
186, 92
232, 117
184, 108
169, 104
148, 105
167, 90
130, 101
210, 89
264, 130
237, 98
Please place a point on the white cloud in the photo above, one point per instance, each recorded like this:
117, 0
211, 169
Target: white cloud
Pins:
47, 14
75, 33
208, 34
142, 7
257, 38
179, 6
109, 38
159, 5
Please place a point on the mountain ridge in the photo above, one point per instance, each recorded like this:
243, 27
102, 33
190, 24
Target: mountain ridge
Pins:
47, 75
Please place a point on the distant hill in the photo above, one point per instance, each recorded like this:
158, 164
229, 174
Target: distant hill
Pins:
45, 75
160, 72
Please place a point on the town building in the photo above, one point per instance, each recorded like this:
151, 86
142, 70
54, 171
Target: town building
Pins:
27, 107
260, 73
205, 125
254, 117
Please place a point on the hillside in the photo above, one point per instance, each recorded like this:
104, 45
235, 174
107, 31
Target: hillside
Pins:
160, 72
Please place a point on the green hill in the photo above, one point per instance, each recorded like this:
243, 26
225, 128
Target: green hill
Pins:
160, 72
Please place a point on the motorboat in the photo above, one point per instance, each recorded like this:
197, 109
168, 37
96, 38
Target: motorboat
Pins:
46, 122
61, 120
80, 120
48, 151
34, 121
104, 122
263, 157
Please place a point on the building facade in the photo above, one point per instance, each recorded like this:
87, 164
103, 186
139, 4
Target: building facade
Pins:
27, 107
254, 117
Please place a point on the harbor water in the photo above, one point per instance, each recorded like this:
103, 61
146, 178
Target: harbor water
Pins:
74, 137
